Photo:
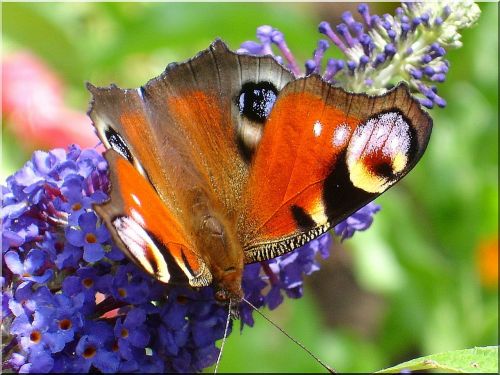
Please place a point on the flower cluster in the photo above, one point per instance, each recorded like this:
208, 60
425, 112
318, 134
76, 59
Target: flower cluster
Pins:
71, 302
382, 50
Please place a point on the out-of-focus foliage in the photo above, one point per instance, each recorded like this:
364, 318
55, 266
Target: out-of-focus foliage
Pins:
427, 267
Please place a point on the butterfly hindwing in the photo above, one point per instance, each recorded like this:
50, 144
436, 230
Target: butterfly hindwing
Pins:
324, 154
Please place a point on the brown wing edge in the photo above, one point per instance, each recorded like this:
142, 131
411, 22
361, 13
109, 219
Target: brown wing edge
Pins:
216, 46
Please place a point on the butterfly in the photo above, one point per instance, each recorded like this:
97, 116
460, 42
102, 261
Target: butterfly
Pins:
228, 159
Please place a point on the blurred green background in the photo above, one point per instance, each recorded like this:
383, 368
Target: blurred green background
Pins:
423, 279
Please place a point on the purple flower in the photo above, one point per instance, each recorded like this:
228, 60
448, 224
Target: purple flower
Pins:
72, 200
16, 361
39, 361
85, 282
30, 268
32, 329
95, 349
131, 333
129, 284
284, 274
90, 236
68, 317
359, 221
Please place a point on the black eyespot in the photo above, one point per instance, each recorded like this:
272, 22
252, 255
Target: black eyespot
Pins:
117, 143
384, 169
256, 99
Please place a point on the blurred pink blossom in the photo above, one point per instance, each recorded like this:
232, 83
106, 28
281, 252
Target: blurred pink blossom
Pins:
33, 105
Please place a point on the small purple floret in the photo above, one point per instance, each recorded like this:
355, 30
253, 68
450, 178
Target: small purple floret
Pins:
363, 60
446, 12
390, 49
415, 22
325, 28
386, 24
426, 59
358, 221
251, 47
366, 42
425, 18
351, 65
357, 28
380, 59
343, 30
374, 20
426, 102
333, 66
365, 13
440, 101
348, 18
429, 71
310, 67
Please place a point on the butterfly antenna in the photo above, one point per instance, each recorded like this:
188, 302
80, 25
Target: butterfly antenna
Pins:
224, 338
328, 368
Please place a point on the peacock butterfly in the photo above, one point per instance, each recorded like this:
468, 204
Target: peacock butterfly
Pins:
228, 159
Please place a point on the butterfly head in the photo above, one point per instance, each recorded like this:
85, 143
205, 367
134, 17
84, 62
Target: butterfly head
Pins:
228, 287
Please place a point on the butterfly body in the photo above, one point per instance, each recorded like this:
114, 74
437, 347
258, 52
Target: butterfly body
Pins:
217, 235
226, 160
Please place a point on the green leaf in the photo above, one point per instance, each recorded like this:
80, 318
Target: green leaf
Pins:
476, 360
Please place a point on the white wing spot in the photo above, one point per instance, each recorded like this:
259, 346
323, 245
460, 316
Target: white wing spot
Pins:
136, 200
317, 128
138, 242
340, 135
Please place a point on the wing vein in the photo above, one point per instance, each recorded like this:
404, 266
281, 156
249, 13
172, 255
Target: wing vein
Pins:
256, 230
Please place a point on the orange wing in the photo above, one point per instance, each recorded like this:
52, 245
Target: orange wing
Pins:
134, 206
324, 154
